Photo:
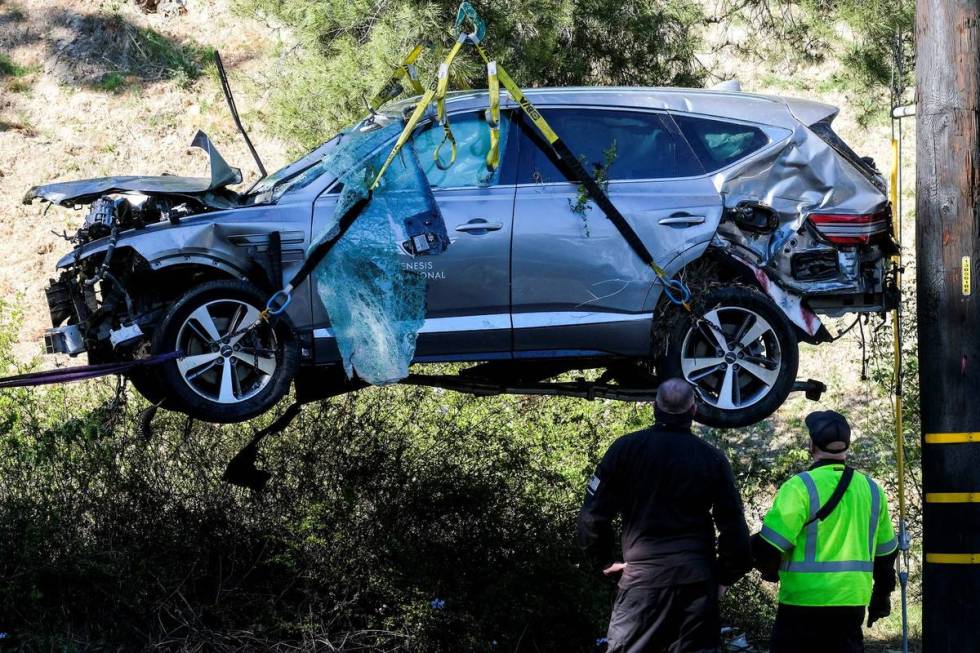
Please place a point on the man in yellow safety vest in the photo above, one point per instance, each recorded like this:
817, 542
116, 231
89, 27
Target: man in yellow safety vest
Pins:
830, 539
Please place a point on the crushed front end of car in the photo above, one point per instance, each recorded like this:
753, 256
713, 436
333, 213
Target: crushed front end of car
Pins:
93, 307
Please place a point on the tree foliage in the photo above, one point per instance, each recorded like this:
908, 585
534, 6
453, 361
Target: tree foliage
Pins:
880, 40
347, 48
871, 40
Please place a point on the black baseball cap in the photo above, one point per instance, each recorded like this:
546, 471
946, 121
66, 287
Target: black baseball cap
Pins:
829, 431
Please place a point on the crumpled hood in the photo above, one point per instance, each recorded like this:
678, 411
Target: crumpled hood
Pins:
86, 191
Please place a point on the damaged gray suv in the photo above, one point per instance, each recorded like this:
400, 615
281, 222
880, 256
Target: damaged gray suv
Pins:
754, 201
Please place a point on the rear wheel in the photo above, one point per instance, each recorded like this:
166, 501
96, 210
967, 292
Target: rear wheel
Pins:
228, 373
741, 356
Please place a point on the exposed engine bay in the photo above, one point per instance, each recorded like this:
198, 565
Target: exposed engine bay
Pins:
91, 294
91, 308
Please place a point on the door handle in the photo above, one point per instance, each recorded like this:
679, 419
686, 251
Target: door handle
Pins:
479, 225
683, 219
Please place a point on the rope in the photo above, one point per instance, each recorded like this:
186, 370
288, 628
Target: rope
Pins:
895, 186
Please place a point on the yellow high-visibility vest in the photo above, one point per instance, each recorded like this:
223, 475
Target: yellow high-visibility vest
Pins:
829, 562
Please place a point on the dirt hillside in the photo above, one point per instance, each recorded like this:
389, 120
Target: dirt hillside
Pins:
100, 88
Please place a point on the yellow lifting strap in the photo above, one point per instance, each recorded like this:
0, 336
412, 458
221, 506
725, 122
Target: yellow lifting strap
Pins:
675, 290
404, 136
493, 116
896, 333
531, 112
413, 121
442, 87
895, 197
393, 87
515, 92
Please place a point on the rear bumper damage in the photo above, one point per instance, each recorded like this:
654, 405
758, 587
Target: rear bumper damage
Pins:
813, 229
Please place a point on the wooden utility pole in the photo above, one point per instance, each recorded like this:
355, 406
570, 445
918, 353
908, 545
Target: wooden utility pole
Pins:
947, 250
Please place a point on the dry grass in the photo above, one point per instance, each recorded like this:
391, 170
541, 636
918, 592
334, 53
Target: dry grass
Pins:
69, 119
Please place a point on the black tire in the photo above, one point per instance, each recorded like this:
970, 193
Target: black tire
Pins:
147, 383
253, 390
759, 383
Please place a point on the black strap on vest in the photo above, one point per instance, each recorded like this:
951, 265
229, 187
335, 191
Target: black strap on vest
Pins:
842, 485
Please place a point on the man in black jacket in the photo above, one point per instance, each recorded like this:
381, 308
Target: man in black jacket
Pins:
672, 489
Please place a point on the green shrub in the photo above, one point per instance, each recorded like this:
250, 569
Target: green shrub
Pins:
9, 69
111, 82
402, 519
349, 49
156, 55
399, 519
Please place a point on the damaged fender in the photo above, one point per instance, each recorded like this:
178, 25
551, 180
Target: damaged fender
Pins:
791, 305
223, 245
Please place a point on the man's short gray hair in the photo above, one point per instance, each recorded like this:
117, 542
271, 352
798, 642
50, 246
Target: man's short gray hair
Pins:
675, 396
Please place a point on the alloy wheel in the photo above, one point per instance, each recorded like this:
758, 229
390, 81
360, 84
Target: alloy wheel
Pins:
224, 362
732, 357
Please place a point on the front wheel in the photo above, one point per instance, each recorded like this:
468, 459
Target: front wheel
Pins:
741, 356
228, 373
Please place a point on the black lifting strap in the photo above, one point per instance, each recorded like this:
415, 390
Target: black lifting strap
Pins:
842, 485
277, 304
241, 471
572, 169
320, 252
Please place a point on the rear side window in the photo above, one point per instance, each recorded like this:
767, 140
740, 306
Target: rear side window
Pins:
625, 144
718, 143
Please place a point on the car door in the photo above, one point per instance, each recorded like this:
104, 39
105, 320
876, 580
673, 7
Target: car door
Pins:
578, 287
468, 296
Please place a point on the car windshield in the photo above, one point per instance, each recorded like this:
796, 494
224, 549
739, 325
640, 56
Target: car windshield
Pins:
323, 158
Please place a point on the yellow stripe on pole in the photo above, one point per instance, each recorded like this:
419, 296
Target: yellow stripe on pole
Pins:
953, 558
952, 497
951, 438
966, 274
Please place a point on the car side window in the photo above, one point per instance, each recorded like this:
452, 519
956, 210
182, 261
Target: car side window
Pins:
472, 134
718, 143
623, 144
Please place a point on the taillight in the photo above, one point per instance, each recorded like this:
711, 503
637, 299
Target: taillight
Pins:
851, 229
